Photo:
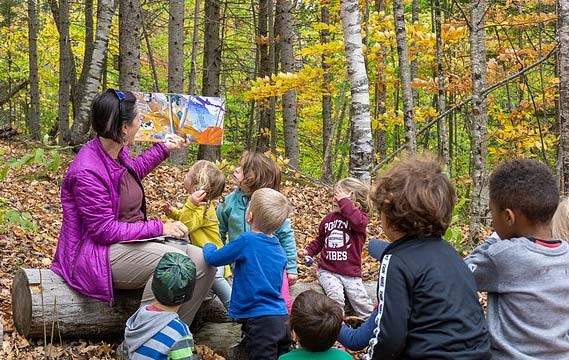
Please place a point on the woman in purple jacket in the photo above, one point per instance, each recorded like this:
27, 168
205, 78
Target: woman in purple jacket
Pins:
104, 209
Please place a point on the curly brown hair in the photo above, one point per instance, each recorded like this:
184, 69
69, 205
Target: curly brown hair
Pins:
316, 320
416, 197
259, 171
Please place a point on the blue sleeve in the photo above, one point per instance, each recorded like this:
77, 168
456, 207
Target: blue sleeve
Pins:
357, 339
223, 220
227, 254
286, 239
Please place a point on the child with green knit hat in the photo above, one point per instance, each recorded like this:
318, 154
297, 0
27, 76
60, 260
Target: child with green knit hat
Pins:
156, 331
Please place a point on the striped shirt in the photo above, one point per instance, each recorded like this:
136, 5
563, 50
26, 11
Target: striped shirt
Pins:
174, 342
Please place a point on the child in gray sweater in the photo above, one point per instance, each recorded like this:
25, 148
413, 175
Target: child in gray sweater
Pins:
522, 267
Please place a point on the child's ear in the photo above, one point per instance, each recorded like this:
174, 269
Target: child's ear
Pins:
509, 217
249, 216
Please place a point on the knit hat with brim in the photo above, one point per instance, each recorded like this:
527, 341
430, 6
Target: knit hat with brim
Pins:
174, 279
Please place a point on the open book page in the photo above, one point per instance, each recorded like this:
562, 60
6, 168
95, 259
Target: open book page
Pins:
197, 118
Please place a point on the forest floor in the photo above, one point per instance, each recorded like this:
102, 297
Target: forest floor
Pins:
35, 190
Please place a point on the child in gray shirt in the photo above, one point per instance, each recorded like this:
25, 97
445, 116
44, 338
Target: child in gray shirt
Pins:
522, 267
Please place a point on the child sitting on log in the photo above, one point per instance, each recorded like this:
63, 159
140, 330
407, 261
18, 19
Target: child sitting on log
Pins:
315, 322
156, 331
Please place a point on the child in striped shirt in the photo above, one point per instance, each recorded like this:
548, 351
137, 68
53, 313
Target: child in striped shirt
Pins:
156, 331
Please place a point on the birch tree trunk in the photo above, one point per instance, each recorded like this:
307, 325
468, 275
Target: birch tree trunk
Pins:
479, 116
285, 21
129, 45
405, 76
361, 150
326, 173
76, 86
78, 133
211, 65
441, 95
563, 100
34, 114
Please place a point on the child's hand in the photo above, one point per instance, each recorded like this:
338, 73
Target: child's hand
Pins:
197, 197
302, 253
166, 208
340, 194
291, 279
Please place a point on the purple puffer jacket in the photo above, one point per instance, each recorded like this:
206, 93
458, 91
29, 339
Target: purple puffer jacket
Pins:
90, 200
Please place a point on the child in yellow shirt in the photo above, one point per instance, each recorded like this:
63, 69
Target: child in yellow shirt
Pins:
205, 183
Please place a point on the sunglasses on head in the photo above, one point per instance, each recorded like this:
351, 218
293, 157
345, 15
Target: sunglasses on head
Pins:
120, 95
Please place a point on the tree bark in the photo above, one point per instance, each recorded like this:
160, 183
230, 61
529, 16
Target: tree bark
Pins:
405, 76
441, 95
563, 99
34, 114
176, 64
285, 20
479, 116
361, 150
326, 173
192, 87
265, 126
414, 61
380, 135
211, 65
129, 45
78, 132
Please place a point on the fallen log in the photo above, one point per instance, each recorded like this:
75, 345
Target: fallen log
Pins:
44, 305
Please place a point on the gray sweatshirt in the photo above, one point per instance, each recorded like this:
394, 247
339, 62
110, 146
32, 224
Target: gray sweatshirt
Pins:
141, 328
528, 297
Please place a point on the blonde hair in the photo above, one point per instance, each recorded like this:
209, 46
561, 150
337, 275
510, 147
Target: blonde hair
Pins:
560, 221
359, 192
270, 209
207, 177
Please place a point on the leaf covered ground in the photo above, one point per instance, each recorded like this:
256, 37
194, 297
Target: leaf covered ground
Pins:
31, 243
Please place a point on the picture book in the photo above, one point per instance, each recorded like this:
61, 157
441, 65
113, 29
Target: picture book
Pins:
197, 118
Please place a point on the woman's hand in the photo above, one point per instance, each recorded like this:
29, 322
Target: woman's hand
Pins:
175, 229
174, 142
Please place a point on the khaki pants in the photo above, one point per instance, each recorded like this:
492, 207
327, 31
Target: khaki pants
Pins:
133, 264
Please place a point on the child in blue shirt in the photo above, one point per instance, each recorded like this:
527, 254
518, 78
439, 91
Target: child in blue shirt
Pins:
259, 262
255, 171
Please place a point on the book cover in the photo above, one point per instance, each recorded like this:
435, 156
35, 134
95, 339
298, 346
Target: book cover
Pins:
197, 118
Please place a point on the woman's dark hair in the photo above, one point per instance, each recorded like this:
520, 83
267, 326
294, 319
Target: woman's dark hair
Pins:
109, 113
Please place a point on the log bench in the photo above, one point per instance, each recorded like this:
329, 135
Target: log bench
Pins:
43, 304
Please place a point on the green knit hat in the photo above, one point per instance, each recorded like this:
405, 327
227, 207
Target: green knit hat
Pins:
174, 279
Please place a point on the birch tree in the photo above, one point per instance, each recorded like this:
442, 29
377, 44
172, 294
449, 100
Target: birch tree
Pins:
479, 116
361, 150
405, 76
563, 100
34, 113
80, 128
